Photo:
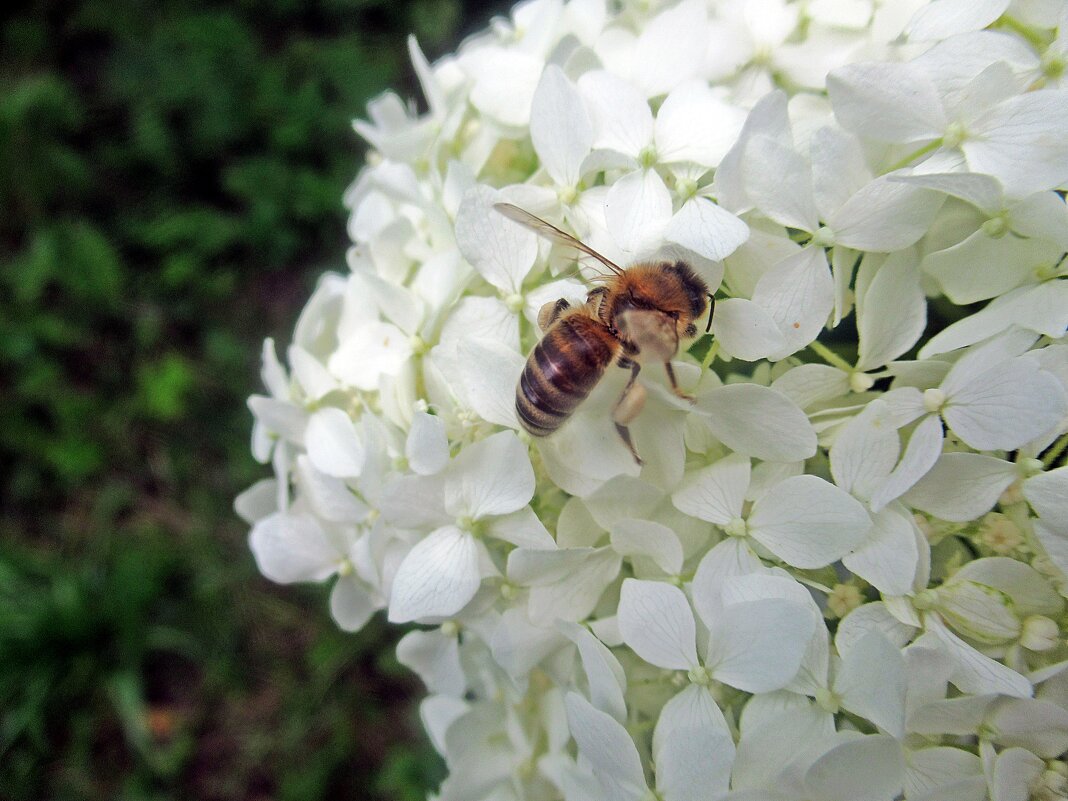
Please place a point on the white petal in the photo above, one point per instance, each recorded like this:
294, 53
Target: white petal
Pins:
976, 673
944, 769
865, 619
414, 502
518, 645
329, 497
622, 119
351, 605
1029, 592
798, 293
895, 319
560, 128
871, 683
280, 417
522, 529
608, 748
693, 124
292, 548
638, 209
781, 187
656, 622
489, 372
884, 216
1006, 406
427, 447
757, 646
694, 764
575, 597
501, 250
839, 168
865, 450
886, 102
731, 557
758, 421
374, 350
923, 450
961, 486
650, 540
491, 477
809, 384
504, 82
835, 775
603, 672
437, 578
311, 374
808, 522
982, 191
435, 657
671, 48
1016, 771
944, 18
693, 708
715, 493
707, 229
257, 501
745, 330
1021, 142
1048, 495
982, 267
888, 559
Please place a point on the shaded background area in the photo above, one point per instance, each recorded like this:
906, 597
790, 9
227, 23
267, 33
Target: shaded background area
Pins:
170, 184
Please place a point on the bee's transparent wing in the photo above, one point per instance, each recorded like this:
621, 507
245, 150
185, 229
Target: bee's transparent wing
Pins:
552, 233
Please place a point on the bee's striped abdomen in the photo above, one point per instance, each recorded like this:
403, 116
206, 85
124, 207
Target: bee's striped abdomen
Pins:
562, 369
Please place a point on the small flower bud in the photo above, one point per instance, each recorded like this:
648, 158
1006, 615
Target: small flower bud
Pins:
1039, 633
844, 598
933, 399
998, 533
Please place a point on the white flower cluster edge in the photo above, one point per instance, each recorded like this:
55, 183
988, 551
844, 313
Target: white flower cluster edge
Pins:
836, 577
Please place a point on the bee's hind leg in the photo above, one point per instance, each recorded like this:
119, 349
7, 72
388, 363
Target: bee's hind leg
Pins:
550, 312
628, 406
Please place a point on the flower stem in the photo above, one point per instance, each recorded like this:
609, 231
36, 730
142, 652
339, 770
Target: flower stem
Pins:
830, 356
1054, 453
710, 357
1032, 35
915, 154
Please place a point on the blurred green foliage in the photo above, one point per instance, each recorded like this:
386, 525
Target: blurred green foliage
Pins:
170, 184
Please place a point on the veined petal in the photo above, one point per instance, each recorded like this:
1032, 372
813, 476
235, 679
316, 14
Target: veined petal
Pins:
1006, 406
888, 559
707, 229
692, 708
290, 547
427, 446
758, 421
923, 450
962, 486
983, 267
491, 477
895, 319
502, 251
694, 125
560, 128
974, 672
1048, 495
834, 776
622, 119
638, 209
671, 48
694, 764
715, 493
886, 102
745, 330
489, 372
608, 748
884, 216
867, 618
865, 450
437, 578
657, 623
798, 293
945, 18
871, 683
757, 646
729, 558
808, 522
604, 674
651, 540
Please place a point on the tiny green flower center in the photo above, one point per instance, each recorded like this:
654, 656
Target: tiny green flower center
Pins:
934, 399
996, 227
828, 700
418, 345
686, 188
737, 528
860, 382
824, 237
700, 675
567, 195
927, 599
1029, 467
514, 302
647, 157
955, 135
450, 628
1053, 64
345, 568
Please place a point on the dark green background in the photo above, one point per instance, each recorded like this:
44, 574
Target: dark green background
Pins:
170, 184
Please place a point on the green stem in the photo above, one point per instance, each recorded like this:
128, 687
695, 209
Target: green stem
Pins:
1032, 35
1054, 453
915, 154
830, 356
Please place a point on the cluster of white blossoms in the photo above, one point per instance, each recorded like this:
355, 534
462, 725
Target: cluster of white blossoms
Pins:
840, 574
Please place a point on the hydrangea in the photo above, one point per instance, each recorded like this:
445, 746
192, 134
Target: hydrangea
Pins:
852, 548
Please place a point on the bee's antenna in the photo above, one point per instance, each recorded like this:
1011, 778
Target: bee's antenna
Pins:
711, 306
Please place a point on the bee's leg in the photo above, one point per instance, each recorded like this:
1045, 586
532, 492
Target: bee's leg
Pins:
675, 384
628, 407
550, 312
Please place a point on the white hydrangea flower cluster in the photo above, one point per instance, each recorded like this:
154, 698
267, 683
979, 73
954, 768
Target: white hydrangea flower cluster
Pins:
841, 573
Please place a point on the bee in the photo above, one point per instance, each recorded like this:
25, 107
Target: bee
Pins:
636, 315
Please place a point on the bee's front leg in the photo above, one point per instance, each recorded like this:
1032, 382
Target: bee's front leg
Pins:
675, 384
629, 405
550, 312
